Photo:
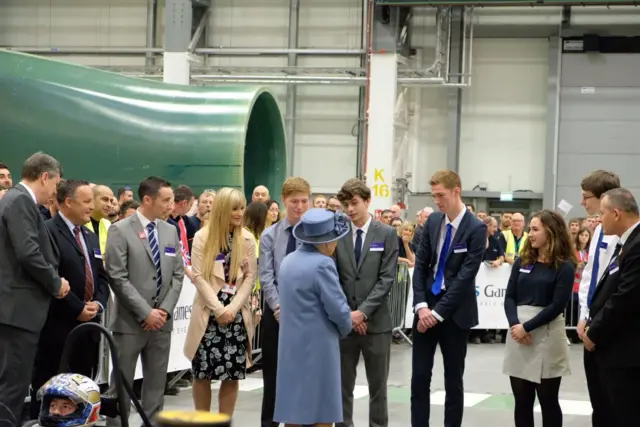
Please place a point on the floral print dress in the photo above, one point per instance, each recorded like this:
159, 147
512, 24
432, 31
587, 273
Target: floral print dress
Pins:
221, 354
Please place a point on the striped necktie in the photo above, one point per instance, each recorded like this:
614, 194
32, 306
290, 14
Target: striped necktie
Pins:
155, 250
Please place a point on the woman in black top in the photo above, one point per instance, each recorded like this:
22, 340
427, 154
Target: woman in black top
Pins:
539, 288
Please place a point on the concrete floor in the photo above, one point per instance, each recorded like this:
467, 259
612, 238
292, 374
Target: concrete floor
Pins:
488, 395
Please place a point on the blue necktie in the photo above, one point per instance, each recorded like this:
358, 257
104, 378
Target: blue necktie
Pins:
436, 288
291, 243
358, 246
595, 270
155, 250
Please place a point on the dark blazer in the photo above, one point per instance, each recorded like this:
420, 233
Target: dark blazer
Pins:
458, 302
614, 309
367, 284
28, 262
191, 224
64, 312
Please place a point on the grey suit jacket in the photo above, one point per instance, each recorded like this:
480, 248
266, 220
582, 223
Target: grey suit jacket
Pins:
28, 262
129, 262
367, 284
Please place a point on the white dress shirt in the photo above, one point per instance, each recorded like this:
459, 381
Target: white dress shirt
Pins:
146, 221
455, 225
31, 193
364, 228
604, 257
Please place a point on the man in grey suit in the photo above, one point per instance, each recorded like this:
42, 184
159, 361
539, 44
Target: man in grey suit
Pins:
28, 279
367, 264
144, 261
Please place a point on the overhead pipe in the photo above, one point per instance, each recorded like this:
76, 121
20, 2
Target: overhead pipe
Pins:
286, 80
438, 56
223, 51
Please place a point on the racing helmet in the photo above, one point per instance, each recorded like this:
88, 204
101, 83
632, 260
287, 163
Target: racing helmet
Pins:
80, 390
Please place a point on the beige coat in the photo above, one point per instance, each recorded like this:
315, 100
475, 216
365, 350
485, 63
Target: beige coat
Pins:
206, 299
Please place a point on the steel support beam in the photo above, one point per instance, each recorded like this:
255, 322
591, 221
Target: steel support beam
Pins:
152, 27
292, 90
203, 20
178, 21
553, 123
361, 127
455, 66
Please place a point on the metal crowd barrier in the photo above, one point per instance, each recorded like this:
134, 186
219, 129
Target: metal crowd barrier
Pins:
398, 301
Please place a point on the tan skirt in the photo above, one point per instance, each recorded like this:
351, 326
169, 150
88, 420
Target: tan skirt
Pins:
546, 357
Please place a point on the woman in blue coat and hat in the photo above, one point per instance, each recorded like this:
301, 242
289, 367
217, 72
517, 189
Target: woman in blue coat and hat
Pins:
314, 315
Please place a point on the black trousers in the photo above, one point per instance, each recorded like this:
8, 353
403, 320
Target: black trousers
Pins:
270, 330
602, 413
621, 387
17, 354
83, 359
453, 344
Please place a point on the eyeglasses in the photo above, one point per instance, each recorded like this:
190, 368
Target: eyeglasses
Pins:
127, 188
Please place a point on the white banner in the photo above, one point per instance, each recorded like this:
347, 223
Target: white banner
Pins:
181, 317
491, 285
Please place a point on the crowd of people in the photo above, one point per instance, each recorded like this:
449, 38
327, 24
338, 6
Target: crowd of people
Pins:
316, 276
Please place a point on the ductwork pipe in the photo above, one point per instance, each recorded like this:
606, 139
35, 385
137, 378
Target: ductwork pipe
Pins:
202, 51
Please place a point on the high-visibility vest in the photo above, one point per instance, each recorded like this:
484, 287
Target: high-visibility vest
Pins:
510, 250
104, 225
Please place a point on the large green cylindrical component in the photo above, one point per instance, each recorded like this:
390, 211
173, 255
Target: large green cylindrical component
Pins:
117, 130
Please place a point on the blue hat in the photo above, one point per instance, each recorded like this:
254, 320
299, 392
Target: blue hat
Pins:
321, 226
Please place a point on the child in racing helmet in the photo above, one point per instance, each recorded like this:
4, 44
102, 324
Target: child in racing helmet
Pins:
69, 400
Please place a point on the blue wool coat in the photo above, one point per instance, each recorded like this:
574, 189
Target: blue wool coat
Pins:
314, 315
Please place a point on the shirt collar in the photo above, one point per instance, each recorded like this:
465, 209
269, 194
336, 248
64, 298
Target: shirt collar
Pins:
365, 227
457, 220
143, 219
285, 222
31, 193
66, 220
626, 234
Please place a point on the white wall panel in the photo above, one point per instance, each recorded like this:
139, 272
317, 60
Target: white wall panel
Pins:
430, 141
76, 23
327, 116
504, 115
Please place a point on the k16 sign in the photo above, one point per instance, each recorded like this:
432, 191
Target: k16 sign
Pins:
491, 286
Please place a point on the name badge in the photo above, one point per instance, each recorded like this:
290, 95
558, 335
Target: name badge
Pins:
220, 258
613, 268
229, 289
376, 247
169, 251
96, 253
460, 248
604, 245
526, 269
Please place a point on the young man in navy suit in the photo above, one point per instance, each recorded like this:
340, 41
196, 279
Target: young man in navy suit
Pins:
444, 297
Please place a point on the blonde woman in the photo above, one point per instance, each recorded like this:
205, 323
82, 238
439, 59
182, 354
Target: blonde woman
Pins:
405, 253
221, 327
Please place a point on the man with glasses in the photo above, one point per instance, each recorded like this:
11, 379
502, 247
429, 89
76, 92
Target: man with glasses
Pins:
594, 186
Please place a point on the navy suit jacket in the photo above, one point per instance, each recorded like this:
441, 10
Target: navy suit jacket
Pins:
458, 302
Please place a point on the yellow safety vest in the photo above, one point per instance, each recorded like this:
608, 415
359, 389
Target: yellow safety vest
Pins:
510, 251
257, 240
104, 225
